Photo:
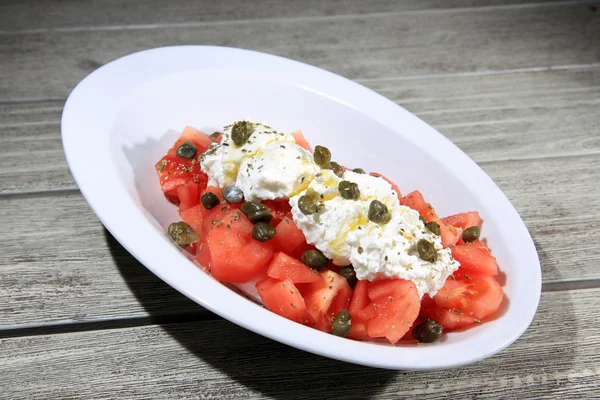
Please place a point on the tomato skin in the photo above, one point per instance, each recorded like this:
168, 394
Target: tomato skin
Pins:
202, 256
476, 297
285, 267
475, 259
397, 304
174, 171
464, 220
194, 217
235, 256
360, 299
288, 237
320, 296
301, 140
189, 195
358, 331
279, 209
449, 319
283, 298
415, 200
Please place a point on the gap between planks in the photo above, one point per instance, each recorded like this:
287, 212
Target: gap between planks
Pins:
37, 329
29, 330
324, 18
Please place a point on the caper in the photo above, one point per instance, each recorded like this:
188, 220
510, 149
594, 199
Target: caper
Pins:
215, 135
336, 168
233, 194
262, 231
350, 275
342, 323
256, 212
314, 259
322, 156
182, 233
209, 200
241, 131
307, 205
428, 331
426, 250
433, 227
349, 190
359, 171
378, 212
186, 150
471, 234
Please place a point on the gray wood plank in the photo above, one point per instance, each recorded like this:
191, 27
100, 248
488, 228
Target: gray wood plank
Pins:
20, 15
557, 357
49, 64
491, 117
60, 262
78, 273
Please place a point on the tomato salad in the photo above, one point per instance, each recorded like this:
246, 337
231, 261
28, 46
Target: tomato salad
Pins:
239, 241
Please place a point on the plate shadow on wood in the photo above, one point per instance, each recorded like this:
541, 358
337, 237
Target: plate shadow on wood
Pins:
262, 365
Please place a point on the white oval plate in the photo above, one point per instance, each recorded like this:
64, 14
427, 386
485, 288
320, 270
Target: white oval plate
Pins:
123, 117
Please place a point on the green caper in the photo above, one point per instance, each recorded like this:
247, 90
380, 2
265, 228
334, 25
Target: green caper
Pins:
359, 171
428, 331
336, 168
186, 150
262, 231
256, 212
350, 275
426, 250
433, 227
349, 190
209, 200
342, 323
314, 259
322, 156
307, 205
471, 234
182, 233
423, 220
241, 131
378, 212
233, 194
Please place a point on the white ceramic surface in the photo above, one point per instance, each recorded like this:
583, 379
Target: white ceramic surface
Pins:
123, 117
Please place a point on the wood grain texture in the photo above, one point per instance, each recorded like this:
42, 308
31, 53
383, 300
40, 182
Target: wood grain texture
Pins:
16, 15
490, 117
557, 357
49, 64
79, 273
64, 265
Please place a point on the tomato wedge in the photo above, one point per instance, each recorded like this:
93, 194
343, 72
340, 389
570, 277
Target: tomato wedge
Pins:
319, 297
283, 298
397, 304
477, 297
285, 267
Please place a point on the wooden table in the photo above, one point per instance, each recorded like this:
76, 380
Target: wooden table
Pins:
515, 84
